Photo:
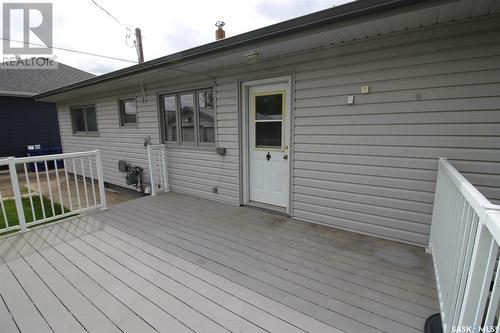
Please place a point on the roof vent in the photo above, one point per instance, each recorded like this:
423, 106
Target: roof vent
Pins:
220, 33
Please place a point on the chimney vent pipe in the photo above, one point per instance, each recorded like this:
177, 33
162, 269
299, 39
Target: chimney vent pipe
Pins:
220, 33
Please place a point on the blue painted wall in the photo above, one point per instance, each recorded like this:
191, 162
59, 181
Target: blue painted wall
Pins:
25, 122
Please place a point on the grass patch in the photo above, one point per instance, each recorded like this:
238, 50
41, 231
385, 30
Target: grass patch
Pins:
11, 211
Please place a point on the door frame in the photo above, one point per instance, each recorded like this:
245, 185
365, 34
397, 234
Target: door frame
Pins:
244, 86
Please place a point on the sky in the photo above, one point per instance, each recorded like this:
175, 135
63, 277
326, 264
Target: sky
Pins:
167, 26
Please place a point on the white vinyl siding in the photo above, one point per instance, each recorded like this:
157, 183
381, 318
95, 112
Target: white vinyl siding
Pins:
369, 167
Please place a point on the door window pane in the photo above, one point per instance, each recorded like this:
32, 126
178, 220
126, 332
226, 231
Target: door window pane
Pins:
268, 134
128, 111
269, 107
187, 117
91, 119
170, 109
79, 120
206, 116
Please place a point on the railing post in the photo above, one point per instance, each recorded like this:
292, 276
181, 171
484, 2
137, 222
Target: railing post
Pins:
152, 174
164, 166
17, 194
100, 179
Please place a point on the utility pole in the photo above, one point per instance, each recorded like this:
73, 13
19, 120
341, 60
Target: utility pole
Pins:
138, 45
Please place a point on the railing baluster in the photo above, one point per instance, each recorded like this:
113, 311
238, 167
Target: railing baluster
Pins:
3, 211
84, 182
30, 195
494, 299
49, 186
67, 185
164, 167
151, 171
59, 186
17, 193
40, 192
100, 179
92, 180
76, 185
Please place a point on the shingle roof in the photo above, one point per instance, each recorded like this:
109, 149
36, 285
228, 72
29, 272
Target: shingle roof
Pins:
36, 81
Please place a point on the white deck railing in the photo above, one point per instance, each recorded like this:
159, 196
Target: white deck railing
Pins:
158, 175
464, 242
49, 187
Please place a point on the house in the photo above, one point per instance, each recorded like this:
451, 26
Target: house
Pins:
24, 121
336, 118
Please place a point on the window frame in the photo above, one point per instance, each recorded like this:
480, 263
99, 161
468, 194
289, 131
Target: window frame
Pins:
179, 143
121, 115
84, 107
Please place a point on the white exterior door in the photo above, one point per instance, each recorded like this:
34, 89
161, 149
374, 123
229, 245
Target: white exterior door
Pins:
268, 144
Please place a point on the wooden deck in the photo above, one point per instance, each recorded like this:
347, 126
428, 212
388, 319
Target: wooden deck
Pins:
175, 263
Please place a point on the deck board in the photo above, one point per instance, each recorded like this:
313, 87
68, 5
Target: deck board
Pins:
280, 277
180, 263
7, 323
51, 308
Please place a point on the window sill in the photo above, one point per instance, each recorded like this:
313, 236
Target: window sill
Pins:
206, 147
136, 125
86, 134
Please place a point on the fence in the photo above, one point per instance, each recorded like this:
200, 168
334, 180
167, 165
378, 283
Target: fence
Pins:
157, 155
54, 186
464, 242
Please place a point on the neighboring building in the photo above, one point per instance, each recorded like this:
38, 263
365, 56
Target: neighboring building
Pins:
337, 118
24, 121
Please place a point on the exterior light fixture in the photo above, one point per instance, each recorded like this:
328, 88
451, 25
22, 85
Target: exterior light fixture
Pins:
252, 57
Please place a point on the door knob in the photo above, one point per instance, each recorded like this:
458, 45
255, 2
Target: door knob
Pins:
268, 156
285, 157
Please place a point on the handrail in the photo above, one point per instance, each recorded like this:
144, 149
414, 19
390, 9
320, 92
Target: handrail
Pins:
464, 242
50, 193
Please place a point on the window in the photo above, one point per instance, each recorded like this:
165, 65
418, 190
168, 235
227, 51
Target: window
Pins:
84, 119
189, 117
206, 116
128, 112
268, 120
170, 118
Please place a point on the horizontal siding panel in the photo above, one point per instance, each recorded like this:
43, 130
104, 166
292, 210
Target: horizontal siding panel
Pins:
465, 130
362, 198
401, 118
373, 190
418, 185
410, 141
310, 213
404, 173
460, 93
442, 68
412, 152
367, 213
425, 82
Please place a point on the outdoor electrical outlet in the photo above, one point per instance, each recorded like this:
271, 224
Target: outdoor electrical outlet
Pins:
365, 89
214, 189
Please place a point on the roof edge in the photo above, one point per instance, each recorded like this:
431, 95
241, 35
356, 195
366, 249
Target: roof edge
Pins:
328, 16
12, 93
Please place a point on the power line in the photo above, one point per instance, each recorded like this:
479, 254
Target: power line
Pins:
70, 50
110, 15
